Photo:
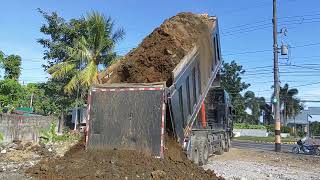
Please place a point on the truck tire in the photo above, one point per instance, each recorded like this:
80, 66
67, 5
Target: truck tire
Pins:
195, 155
203, 151
223, 143
227, 144
220, 149
193, 152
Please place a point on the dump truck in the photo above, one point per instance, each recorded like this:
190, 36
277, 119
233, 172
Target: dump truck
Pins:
193, 109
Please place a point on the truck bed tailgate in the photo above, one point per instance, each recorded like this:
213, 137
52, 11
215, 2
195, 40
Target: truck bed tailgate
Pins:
127, 116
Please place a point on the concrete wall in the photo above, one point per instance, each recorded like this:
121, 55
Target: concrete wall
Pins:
251, 132
25, 128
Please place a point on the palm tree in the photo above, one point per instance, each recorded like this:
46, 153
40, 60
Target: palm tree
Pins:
252, 102
291, 105
88, 53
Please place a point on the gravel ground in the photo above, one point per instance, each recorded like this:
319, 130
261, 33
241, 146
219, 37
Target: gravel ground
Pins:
250, 164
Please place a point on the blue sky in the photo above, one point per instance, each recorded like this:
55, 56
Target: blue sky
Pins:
245, 27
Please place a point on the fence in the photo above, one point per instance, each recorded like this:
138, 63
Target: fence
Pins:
251, 132
24, 128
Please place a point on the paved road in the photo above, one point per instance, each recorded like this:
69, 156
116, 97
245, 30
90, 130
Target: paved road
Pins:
261, 146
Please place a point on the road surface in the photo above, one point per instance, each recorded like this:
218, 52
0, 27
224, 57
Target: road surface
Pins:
261, 146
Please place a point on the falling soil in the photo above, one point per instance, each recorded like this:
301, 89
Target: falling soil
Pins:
160, 52
79, 163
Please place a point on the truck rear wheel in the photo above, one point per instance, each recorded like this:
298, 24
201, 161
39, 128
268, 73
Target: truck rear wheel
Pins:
195, 155
220, 149
228, 144
203, 151
193, 150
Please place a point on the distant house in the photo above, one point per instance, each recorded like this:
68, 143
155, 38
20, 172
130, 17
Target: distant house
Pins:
74, 115
301, 121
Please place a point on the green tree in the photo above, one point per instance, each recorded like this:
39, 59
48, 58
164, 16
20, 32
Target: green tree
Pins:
231, 77
256, 104
11, 93
1, 55
232, 82
60, 34
290, 103
88, 53
41, 102
315, 128
252, 102
63, 43
11, 66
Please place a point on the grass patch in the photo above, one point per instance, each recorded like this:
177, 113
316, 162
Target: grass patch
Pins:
264, 139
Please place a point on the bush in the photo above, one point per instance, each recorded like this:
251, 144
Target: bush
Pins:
247, 126
302, 134
270, 128
1, 137
52, 136
285, 129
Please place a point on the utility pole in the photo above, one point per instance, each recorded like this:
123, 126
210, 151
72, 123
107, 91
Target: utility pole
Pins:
276, 100
77, 101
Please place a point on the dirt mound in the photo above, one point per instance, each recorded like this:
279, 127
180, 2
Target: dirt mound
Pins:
118, 164
160, 52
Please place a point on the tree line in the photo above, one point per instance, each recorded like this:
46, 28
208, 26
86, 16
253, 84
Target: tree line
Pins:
244, 101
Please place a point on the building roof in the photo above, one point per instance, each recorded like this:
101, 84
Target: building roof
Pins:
303, 118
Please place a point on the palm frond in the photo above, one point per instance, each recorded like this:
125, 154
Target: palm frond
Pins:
118, 35
60, 70
293, 92
72, 84
80, 52
88, 75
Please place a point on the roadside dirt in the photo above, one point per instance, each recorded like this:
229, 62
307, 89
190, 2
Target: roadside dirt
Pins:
17, 157
252, 164
160, 52
118, 164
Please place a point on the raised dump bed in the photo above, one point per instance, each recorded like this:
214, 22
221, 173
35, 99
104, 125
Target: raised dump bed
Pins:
126, 115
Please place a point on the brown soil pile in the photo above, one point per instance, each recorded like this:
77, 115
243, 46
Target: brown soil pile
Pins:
160, 52
118, 164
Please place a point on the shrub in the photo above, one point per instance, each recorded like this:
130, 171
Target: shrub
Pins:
52, 136
1, 137
270, 128
285, 129
302, 133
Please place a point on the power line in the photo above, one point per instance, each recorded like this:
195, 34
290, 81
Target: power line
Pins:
268, 50
269, 19
248, 52
309, 84
259, 26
